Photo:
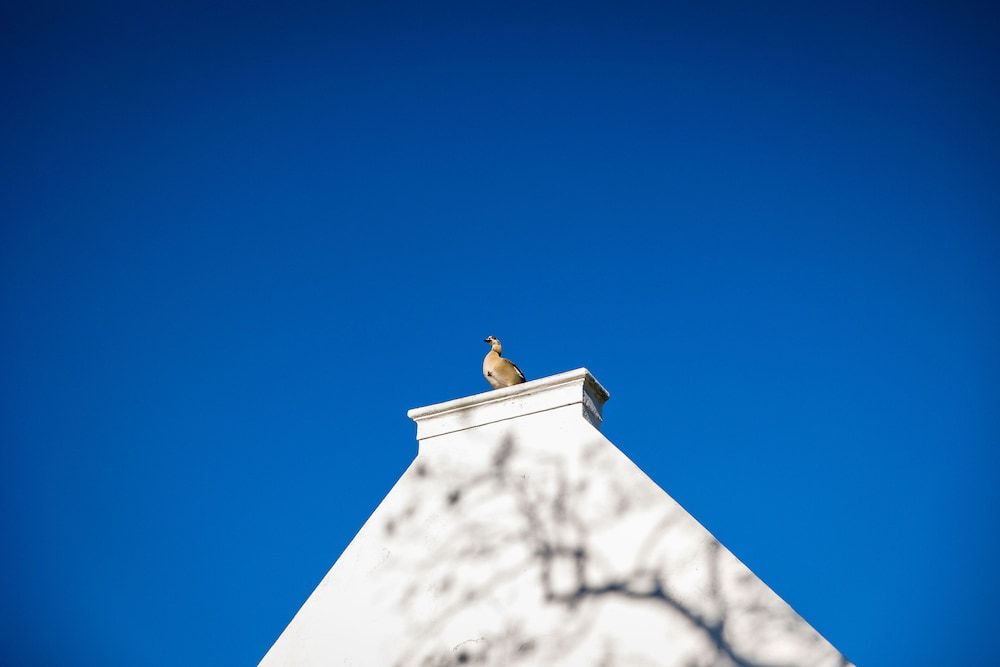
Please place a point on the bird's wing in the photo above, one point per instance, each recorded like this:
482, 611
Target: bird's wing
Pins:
516, 369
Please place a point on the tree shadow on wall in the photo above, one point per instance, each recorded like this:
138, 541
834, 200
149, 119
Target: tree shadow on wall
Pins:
574, 558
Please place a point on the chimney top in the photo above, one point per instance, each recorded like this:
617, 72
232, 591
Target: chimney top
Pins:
547, 393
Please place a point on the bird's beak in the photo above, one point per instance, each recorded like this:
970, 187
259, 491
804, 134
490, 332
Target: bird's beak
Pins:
486, 340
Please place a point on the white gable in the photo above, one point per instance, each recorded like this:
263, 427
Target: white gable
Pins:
521, 536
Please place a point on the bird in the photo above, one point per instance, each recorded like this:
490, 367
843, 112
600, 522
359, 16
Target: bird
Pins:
500, 372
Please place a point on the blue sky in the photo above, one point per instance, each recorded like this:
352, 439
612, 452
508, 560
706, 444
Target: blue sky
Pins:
238, 243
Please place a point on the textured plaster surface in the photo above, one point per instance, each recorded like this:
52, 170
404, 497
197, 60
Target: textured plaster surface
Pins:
527, 538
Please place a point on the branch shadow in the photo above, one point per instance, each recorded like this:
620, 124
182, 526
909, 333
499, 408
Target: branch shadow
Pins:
574, 558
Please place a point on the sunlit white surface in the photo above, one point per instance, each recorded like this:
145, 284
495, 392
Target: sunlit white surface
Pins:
521, 536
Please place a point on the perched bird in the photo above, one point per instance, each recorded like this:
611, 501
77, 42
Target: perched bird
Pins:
500, 372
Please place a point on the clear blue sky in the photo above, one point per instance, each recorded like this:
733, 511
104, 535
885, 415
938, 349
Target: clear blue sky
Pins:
238, 243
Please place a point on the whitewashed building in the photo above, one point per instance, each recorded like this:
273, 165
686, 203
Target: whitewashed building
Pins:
521, 536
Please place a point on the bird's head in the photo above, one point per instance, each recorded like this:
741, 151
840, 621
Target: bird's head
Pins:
492, 340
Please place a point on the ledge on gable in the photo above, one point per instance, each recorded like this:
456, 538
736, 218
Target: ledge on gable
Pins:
547, 393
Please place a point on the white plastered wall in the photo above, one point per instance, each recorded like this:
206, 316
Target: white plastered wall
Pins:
521, 536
